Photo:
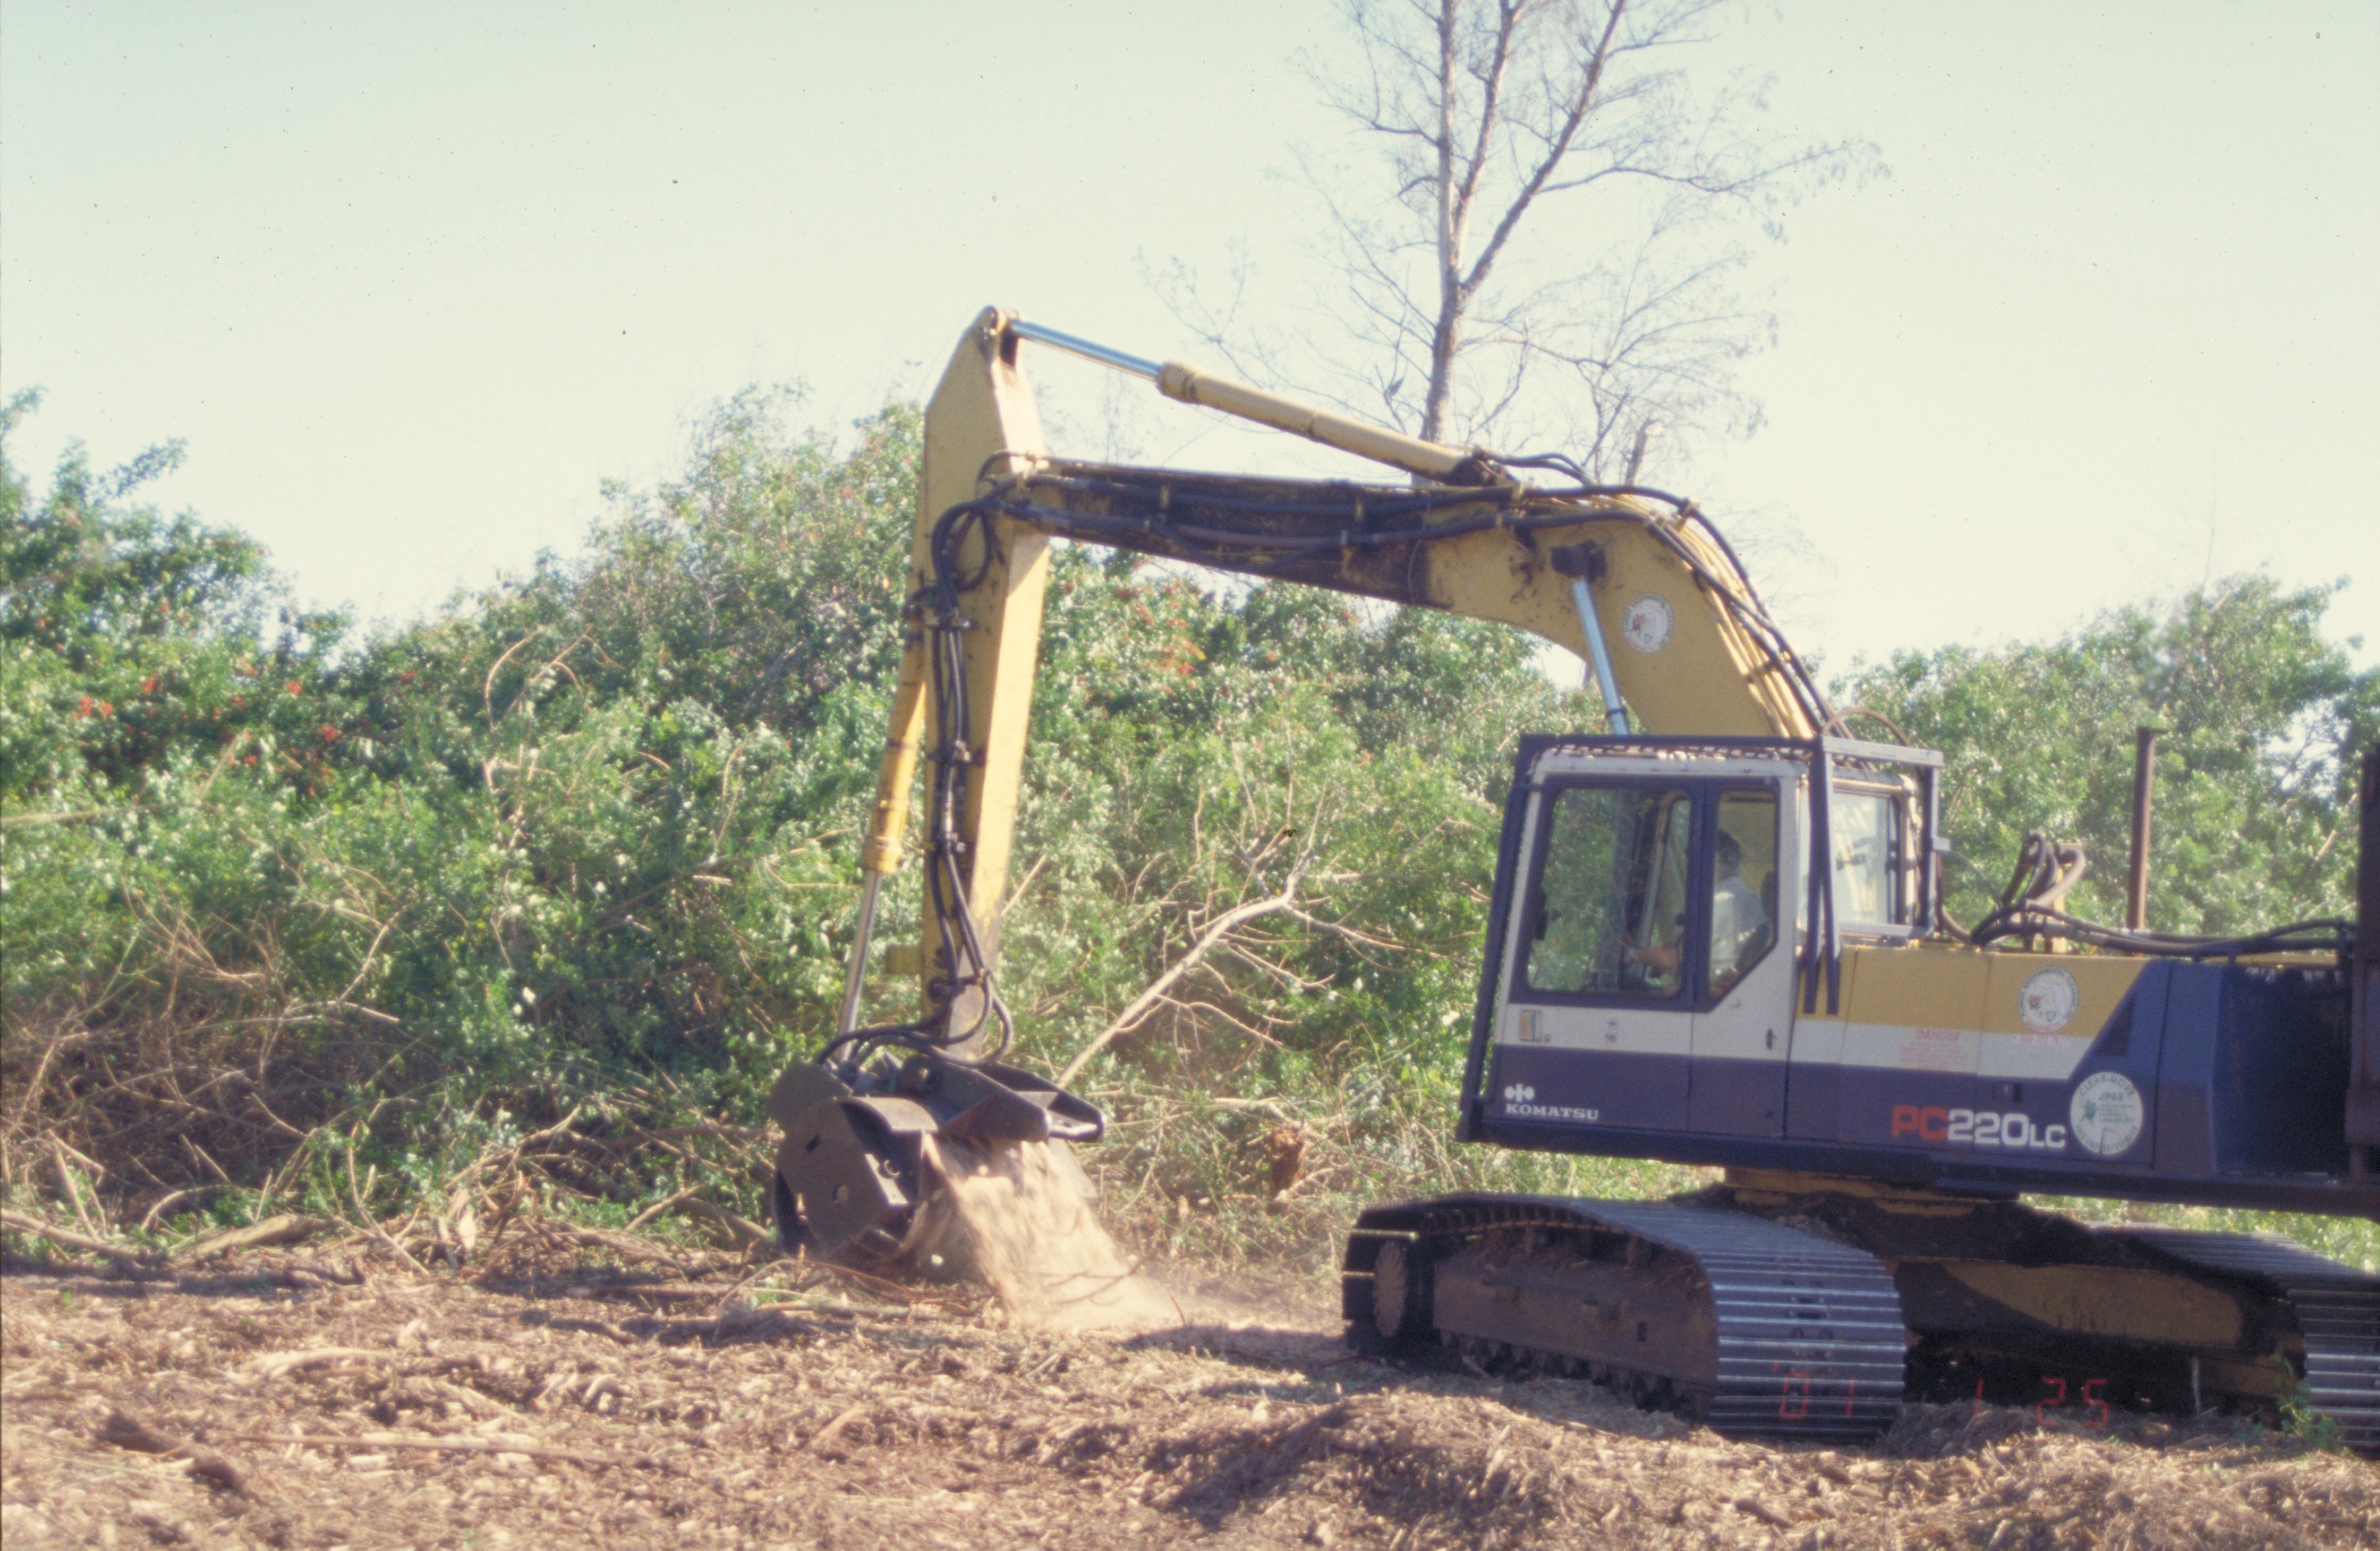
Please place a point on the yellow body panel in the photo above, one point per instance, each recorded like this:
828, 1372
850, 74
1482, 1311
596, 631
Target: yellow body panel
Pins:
1901, 985
1971, 993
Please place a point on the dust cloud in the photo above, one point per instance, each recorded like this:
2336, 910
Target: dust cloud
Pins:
1018, 1216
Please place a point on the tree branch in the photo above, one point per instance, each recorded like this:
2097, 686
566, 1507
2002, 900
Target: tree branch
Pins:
1216, 930
1554, 152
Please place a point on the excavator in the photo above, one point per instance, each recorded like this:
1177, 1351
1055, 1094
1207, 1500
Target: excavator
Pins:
1717, 937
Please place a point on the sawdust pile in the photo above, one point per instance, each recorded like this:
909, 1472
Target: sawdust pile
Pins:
551, 1404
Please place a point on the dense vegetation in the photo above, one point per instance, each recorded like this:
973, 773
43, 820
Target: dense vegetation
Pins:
282, 895
2260, 719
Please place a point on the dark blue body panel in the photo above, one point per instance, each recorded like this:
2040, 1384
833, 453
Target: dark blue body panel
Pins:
1617, 1088
2250, 1054
2241, 1071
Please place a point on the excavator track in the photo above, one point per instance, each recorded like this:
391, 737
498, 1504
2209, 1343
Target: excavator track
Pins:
2337, 1309
1757, 1329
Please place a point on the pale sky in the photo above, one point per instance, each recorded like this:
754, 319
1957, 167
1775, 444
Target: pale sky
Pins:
411, 281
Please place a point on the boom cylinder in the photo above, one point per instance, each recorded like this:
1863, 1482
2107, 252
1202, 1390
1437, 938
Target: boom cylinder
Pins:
1430, 459
1191, 384
1601, 655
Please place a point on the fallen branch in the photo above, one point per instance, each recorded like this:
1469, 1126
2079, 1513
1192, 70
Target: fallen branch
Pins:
273, 1365
1220, 927
763, 1322
128, 1432
315, 1274
372, 1224
885, 1286
74, 1240
313, 1011
662, 1292
157, 1211
619, 1243
289, 1228
549, 1133
823, 1444
650, 1212
742, 1229
67, 1185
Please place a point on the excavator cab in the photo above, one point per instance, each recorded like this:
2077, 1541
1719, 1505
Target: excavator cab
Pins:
1657, 899
1726, 952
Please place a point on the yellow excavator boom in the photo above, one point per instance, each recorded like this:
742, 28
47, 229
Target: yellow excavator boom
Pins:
1651, 599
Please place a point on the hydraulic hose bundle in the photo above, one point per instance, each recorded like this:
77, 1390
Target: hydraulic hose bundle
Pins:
935, 607
2031, 907
1345, 518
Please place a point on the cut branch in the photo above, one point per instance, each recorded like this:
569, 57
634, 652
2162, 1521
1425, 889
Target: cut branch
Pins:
1220, 928
74, 1240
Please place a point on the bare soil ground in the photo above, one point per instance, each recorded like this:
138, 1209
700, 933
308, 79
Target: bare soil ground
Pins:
281, 1402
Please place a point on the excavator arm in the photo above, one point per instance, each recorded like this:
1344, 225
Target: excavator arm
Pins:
1636, 583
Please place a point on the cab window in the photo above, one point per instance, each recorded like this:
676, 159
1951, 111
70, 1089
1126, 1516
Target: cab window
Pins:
1610, 912
1866, 847
1744, 885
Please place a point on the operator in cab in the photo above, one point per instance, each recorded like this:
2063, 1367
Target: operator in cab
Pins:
1740, 924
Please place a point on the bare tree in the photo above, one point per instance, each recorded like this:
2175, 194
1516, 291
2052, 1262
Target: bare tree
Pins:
1577, 118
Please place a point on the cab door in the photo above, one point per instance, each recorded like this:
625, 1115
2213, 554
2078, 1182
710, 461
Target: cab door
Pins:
1744, 1019
1596, 1021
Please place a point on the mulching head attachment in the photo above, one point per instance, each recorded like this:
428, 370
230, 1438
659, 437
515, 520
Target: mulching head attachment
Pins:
861, 1159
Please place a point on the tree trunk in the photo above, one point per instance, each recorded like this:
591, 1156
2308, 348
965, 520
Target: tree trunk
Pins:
1446, 338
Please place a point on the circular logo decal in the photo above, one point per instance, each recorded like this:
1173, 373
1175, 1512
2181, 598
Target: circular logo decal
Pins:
2048, 1002
1646, 625
2106, 1113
